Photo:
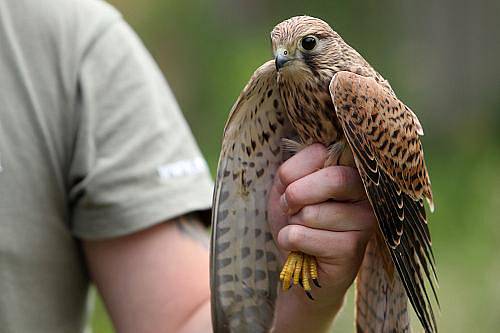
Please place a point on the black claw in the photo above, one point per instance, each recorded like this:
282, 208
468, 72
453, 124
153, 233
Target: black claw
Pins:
300, 282
309, 295
291, 284
316, 283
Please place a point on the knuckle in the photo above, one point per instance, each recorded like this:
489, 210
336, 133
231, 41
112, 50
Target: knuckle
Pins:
292, 195
341, 176
295, 236
284, 175
342, 181
309, 214
318, 150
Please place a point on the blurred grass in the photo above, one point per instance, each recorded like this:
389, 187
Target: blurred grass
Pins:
208, 50
100, 319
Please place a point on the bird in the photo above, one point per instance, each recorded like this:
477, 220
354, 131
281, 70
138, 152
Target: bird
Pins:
319, 89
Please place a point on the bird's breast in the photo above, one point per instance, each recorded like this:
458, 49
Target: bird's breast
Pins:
311, 112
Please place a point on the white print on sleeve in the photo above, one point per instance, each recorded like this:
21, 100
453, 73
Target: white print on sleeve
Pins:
182, 168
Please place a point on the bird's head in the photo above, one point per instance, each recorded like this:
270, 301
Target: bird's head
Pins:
304, 44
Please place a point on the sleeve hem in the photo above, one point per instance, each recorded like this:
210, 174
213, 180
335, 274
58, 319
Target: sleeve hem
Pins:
113, 222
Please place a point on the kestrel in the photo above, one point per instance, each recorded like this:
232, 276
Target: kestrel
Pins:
319, 89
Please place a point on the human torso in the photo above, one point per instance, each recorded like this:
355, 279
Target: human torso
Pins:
43, 279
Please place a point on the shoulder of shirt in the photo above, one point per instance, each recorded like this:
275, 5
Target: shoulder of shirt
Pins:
57, 8
78, 19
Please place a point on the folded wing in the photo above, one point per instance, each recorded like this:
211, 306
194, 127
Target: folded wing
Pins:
383, 135
244, 258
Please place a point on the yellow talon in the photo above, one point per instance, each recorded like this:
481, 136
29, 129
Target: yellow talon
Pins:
305, 274
283, 271
287, 272
299, 268
314, 271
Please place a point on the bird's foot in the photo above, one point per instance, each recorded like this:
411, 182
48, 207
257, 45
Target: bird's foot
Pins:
335, 152
291, 146
300, 268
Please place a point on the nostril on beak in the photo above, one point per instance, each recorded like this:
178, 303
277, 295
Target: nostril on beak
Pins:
281, 60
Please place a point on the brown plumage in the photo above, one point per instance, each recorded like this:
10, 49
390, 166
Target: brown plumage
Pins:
319, 89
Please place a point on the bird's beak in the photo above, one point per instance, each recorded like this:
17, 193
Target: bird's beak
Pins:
281, 59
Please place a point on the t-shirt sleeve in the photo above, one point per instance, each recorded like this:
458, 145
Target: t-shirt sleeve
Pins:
135, 162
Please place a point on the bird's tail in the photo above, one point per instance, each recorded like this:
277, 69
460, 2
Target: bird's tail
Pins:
381, 301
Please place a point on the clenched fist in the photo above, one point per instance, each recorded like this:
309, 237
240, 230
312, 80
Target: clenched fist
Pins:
322, 212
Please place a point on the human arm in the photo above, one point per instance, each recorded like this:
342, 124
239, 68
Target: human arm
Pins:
322, 212
134, 164
154, 280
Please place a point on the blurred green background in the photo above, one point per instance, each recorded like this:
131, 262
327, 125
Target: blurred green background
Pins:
442, 60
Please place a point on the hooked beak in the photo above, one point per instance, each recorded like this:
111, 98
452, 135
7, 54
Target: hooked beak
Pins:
281, 59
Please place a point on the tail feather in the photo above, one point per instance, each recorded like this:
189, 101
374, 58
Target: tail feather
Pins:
381, 301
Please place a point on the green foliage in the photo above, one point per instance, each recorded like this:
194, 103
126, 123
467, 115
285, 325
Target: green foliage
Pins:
100, 320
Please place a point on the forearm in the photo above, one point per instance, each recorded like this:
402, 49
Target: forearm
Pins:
199, 321
296, 313
155, 280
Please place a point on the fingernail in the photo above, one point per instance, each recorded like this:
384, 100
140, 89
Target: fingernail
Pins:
284, 204
279, 185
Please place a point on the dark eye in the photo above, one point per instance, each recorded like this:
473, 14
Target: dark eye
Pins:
308, 43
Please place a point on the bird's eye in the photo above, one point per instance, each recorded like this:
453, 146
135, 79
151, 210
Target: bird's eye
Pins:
308, 43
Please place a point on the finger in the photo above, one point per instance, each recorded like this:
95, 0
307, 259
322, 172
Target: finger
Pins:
328, 245
306, 161
336, 216
339, 183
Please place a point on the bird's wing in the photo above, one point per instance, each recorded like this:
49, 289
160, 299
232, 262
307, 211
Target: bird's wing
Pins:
384, 137
244, 258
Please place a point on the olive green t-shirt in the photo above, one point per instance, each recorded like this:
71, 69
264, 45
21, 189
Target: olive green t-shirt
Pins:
92, 146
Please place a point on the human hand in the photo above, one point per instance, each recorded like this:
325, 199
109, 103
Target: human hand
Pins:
322, 212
